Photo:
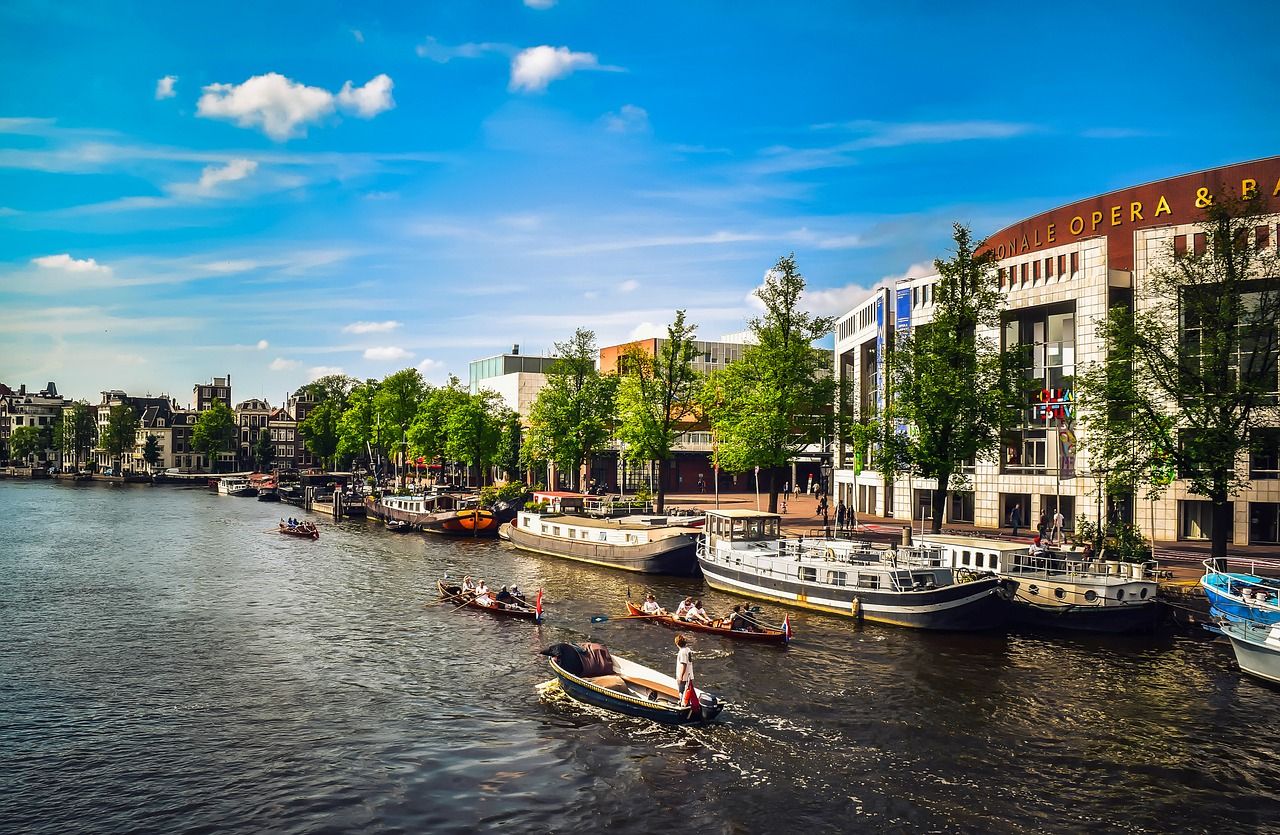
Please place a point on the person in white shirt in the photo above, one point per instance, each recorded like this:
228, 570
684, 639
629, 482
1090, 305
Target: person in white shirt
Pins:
697, 614
1058, 521
684, 664
651, 606
481, 588
484, 598
682, 611
468, 584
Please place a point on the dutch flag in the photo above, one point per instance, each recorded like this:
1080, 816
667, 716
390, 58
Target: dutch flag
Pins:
537, 608
786, 629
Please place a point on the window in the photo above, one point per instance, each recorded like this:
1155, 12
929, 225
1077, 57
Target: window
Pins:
808, 574
1023, 270
1062, 264
961, 509
1179, 245
1264, 461
1264, 523
1195, 520
1262, 236
868, 581
1075, 263
573, 534
1199, 243
603, 536
837, 578
1035, 270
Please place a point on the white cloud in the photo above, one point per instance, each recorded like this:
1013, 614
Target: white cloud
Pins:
164, 87
539, 4
628, 286
431, 368
317, 371
282, 364
66, 263
628, 119
283, 108
387, 353
370, 100
838, 301
358, 35
215, 175
371, 327
536, 67
443, 53
647, 330
263, 345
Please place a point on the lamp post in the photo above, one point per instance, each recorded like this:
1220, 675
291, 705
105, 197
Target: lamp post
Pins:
826, 487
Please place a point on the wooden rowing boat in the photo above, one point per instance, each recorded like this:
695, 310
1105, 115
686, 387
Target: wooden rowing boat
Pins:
306, 531
506, 610
590, 674
766, 635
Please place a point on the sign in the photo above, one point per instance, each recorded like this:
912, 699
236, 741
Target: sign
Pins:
1066, 453
1054, 404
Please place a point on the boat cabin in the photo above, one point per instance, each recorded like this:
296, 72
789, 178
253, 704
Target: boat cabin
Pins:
743, 526
559, 501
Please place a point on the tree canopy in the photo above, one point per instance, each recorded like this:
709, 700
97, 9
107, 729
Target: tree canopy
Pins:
151, 451
319, 430
572, 418
24, 442
214, 432
473, 430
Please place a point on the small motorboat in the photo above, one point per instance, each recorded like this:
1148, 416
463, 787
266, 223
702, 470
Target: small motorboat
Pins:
522, 611
1257, 647
765, 635
268, 494
398, 526
590, 674
305, 530
1241, 597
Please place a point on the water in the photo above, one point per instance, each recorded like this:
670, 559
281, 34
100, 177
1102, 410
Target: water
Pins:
167, 665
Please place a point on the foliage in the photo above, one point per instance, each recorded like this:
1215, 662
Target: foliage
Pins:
643, 494
955, 388
1186, 385
396, 404
571, 419
264, 452
1118, 541
335, 387
506, 492
214, 432
24, 441
427, 433
319, 431
121, 432
655, 395
778, 398
473, 430
508, 457
361, 427
80, 432
151, 450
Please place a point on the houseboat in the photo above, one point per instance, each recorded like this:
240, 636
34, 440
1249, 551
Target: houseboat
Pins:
647, 544
413, 510
743, 552
1058, 589
236, 486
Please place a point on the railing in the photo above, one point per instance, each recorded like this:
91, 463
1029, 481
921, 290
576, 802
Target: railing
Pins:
1049, 564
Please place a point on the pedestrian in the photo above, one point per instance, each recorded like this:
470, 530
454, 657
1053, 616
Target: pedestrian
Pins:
1015, 517
684, 663
702, 484
1043, 527
786, 490
841, 512
822, 506
1058, 522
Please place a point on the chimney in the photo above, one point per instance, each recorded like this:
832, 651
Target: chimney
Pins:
515, 349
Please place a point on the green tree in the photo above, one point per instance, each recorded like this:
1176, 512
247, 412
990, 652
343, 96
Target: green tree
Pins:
952, 386
473, 431
396, 403
571, 418
1191, 385
656, 394
361, 430
428, 433
121, 433
508, 458
319, 430
151, 451
264, 451
24, 442
214, 432
778, 399
329, 387
80, 432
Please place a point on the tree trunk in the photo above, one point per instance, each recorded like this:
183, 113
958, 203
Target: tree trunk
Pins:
660, 492
938, 502
1222, 524
771, 487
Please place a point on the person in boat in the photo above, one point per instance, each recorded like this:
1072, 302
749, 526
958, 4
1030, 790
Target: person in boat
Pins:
484, 598
517, 595
468, 585
682, 611
684, 664
651, 606
504, 596
697, 614
482, 588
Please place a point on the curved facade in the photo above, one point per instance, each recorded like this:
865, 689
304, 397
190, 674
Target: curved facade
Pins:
1059, 272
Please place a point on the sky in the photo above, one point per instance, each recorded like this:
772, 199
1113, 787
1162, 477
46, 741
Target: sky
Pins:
282, 190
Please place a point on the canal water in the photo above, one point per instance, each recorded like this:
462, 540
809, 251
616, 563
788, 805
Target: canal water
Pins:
167, 664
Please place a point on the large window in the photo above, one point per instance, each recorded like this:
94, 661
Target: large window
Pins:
1195, 520
961, 509
1264, 523
1251, 354
1264, 461
1046, 337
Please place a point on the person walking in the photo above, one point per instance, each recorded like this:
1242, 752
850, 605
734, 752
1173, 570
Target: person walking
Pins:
1043, 527
841, 513
702, 484
1015, 517
1058, 522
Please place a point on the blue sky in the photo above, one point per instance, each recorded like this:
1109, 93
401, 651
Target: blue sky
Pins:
364, 187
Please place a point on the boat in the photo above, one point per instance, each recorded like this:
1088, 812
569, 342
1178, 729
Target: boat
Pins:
766, 635
465, 518
1257, 647
414, 508
743, 553
648, 544
398, 526
236, 486
1058, 589
589, 673
1240, 596
304, 530
506, 610
268, 494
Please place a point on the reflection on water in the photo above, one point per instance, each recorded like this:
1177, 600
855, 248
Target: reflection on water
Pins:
170, 665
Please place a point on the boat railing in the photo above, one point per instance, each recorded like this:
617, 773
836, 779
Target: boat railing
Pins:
1258, 568
1051, 564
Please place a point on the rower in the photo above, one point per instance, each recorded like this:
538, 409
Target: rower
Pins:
516, 594
697, 614
468, 585
504, 596
482, 588
651, 606
682, 611
484, 598
736, 621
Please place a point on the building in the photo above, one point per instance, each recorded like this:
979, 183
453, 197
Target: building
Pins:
299, 406
516, 378
252, 417
1060, 272
203, 394
140, 406
42, 410
284, 439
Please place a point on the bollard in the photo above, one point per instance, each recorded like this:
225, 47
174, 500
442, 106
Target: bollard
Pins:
906, 536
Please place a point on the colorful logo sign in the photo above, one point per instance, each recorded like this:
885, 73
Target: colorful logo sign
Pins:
1055, 404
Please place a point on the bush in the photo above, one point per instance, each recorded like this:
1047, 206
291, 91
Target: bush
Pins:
1118, 541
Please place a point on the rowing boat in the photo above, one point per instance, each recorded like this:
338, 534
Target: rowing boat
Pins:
766, 635
590, 674
306, 530
506, 610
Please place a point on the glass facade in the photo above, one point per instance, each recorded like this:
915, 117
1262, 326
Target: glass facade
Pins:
1047, 337
503, 364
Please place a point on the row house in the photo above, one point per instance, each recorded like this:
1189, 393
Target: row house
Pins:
21, 408
252, 417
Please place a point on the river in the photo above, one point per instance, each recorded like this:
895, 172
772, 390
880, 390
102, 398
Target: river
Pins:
167, 664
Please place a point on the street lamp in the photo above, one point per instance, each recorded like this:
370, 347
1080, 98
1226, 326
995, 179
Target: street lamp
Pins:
826, 477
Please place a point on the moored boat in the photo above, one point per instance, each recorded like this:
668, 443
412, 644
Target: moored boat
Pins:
589, 673
304, 530
744, 553
1243, 596
513, 609
398, 526
1257, 647
1058, 589
465, 518
648, 544
236, 486
766, 635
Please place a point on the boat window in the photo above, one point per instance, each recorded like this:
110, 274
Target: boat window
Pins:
1142, 593
1060, 593
631, 537
993, 560
964, 557
544, 528
923, 581
555, 530
739, 528
1034, 589
808, 574
771, 529
603, 536
525, 522
868, 581
837, 578
573, 534
1119, 594
1090, 596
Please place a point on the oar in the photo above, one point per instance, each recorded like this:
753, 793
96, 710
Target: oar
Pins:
604, 618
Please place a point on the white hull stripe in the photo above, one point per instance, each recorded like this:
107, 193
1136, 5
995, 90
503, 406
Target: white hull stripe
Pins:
843, 605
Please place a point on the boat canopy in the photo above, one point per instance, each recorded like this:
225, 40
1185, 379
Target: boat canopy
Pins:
743, 525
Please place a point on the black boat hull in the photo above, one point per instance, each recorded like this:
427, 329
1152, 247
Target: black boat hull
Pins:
676, 555
583, 691
1140, 617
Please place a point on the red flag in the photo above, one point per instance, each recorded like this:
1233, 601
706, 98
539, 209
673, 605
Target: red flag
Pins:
786, 629
537, 607
690, 698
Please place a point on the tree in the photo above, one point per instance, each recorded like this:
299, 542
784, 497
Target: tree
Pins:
779, 397
1189, 385
428, 433
121, 433
80, 432
151, 451
655, 395
329, 387
508, 457
360, 430
953, 388
24, 442
319, 430
397, 402
214, 432
264, 451
473, 431
571, 418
